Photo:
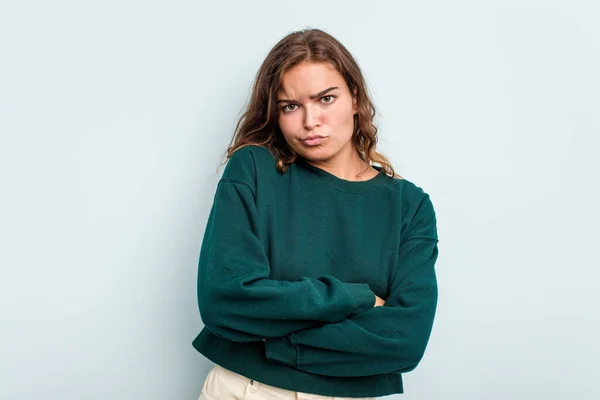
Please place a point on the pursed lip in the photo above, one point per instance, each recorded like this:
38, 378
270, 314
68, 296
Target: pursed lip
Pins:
313, 137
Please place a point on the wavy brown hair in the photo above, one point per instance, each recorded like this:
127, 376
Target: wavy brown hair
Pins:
258, 124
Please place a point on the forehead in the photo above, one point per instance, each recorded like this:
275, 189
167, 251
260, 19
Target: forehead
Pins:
309, 78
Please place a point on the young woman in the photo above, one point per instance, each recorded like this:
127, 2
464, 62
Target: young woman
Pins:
316, 274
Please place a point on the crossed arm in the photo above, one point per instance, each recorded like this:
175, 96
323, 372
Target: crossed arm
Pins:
391, 338
236, 297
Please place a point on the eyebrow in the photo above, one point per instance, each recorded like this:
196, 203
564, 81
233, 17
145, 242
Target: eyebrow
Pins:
314, 96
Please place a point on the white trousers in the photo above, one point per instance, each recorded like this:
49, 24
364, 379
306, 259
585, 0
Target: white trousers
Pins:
223, 384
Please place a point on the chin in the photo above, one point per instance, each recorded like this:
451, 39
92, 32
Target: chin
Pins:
318, 153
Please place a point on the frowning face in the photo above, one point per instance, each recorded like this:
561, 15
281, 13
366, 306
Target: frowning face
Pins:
316, 111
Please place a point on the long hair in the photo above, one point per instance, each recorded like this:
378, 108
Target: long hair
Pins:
258, 124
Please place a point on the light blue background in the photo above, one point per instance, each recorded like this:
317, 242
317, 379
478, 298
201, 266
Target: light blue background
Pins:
114, 116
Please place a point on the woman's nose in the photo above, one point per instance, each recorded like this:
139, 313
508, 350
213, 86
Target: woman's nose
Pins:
311, 117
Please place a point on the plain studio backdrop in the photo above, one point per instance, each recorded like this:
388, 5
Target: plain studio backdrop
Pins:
115, 115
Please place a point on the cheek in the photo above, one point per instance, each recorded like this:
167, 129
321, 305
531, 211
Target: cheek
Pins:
286, 126
290, 123
337, 116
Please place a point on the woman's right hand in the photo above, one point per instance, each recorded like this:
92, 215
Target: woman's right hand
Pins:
378, 301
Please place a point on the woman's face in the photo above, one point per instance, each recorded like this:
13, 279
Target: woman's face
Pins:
316, 111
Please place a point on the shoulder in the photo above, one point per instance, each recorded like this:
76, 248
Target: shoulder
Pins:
415, 203
245, 162
407, 191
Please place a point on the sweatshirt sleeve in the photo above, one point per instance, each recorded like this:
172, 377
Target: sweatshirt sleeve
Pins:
236, 297
390, 338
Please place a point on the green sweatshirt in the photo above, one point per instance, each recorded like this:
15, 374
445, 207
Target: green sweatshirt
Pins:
288, 268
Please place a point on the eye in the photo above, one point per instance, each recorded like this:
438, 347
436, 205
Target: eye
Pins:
286, 109
331, 97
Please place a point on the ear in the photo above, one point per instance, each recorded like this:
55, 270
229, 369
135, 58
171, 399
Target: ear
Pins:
355, 101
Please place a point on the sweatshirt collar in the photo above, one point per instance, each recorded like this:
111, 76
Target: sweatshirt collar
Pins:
377, 181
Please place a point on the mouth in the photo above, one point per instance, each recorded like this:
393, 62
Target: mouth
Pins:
314, 137
313, 140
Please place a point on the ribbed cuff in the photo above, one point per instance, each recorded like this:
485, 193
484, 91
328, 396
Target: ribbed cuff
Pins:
362, 294
281, 350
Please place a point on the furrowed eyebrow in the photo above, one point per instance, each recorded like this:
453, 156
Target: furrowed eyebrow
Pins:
314, 96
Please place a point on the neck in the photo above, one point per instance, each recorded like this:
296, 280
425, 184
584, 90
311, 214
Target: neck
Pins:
346, 165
